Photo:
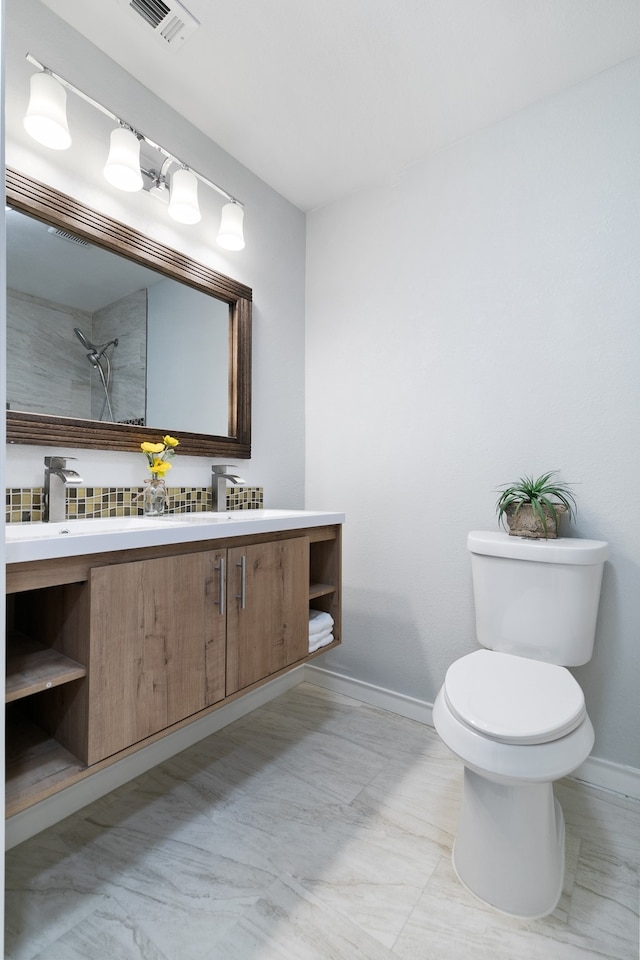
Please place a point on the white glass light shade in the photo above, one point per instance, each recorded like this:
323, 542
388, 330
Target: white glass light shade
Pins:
46, 116
230, 235
122, 168
183, 203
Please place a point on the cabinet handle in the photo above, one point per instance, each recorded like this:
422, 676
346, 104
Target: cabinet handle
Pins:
223, 585
242, 596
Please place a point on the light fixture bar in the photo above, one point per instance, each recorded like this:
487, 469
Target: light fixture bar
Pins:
141, 136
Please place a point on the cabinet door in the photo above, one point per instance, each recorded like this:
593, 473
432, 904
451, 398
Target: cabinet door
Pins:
157, 643
268, 618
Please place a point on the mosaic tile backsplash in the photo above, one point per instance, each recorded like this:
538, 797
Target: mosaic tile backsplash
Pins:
24, 504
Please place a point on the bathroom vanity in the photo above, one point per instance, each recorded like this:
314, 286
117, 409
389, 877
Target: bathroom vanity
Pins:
121, 636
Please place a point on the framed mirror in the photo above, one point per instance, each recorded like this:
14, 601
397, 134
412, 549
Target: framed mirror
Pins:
137, 341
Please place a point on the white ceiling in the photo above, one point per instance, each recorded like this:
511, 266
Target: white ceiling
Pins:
323, 97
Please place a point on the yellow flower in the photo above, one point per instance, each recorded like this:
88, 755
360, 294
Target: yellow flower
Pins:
159, 466
159, 454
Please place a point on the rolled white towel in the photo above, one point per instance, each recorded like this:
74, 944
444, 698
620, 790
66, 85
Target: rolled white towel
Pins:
319, 621
316, 642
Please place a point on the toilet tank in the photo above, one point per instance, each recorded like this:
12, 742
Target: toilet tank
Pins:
537, 598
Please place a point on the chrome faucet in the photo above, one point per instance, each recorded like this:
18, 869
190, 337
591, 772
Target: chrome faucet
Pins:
57, 477
219, 477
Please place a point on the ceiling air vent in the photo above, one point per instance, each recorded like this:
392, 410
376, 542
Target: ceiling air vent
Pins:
170, 22
65, 235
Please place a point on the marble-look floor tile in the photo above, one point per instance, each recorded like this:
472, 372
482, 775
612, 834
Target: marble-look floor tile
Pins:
289, 923
332, 763
423, 798
373, 888
231, 784
314, 827
303, 832
390, 736
34, 919
605, 901
109, 931
174, 886
456, 925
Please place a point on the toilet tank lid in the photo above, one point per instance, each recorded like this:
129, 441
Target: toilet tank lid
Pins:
561, 550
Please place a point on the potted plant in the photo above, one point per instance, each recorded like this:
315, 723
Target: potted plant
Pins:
532, 507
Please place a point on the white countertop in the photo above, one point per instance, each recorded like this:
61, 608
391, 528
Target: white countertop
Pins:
73, 538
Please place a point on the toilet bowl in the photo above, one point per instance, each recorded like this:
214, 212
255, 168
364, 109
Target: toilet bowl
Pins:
517, 725
516, 717
512, 718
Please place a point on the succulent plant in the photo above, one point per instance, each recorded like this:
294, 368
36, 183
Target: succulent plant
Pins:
548, 499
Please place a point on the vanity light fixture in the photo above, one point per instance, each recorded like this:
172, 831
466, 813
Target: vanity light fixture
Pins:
46, 122
230, 235
159, 187
183, 202
122, 168
46, 116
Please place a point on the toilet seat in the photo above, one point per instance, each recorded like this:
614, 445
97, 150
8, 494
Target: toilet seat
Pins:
513, 700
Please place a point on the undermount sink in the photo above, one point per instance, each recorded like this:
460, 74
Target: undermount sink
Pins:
79, 528
211, 516
201, 516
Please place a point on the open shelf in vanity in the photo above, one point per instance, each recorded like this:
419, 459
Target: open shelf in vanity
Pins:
32, 667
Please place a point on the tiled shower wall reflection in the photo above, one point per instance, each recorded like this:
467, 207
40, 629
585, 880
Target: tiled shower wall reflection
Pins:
24, 504
49, 369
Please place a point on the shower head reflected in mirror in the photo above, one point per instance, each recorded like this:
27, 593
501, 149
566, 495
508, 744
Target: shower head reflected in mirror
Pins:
95, 352
83, 340
94, 356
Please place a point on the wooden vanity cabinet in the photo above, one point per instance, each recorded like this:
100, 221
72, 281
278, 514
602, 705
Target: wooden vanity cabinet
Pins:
157, 648
268, 591
111, 651
160, 635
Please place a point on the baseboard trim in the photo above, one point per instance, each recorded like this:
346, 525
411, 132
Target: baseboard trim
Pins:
29, 822
409, 707
609, 776
594, 771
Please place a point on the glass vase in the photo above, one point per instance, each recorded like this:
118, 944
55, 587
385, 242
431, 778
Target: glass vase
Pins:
154, 498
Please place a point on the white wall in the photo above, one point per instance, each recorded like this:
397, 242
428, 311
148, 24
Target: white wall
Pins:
471, 321
272, 263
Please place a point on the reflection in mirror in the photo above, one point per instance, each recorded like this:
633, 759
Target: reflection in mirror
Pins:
95, 336
113, 337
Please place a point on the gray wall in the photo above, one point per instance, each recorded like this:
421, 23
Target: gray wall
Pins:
474, 320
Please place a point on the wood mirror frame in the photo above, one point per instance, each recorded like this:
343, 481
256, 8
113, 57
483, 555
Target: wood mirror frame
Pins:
56, 208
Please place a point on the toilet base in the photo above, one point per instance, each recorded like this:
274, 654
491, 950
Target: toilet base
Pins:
509, 848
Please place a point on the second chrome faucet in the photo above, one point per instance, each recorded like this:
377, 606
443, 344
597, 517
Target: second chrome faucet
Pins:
219, 476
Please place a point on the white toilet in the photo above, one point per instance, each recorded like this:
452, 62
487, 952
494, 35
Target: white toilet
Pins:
515, 715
